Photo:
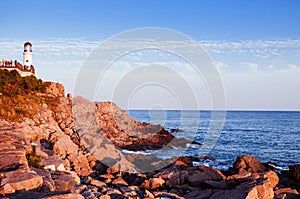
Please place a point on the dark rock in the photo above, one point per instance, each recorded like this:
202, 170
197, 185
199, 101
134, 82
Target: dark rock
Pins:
188, 160
176, 130
100, 167
133, 178
116, 196
80, 188
199, 194
46, 144
88, 195
294, 172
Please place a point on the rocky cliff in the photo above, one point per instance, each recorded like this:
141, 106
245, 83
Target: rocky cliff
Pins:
54, 146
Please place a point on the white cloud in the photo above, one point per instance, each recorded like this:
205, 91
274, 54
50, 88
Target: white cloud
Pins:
251, 66
292, 66
259, 48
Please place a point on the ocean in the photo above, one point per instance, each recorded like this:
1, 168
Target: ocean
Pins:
271, 136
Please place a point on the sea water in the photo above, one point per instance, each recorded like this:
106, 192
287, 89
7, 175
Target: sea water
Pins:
271, 136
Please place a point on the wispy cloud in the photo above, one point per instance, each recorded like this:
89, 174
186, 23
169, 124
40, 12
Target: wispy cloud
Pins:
225, 54
259, 48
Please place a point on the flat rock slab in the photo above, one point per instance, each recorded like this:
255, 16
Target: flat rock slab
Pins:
22, 180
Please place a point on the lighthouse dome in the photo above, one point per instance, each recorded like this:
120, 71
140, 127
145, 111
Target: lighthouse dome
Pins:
27, 44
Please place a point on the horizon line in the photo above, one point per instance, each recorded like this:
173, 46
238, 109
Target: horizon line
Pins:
233, 110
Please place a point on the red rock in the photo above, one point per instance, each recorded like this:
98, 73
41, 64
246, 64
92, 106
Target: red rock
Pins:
65, 196
249, 163
6, 189
55, 89
162, 194
262, 189
104, 197
126, 132
97, 183
271, 176
80, 164
23, 180
286, 193
152, 183
64, 145
64, 181
196, 177
119, 181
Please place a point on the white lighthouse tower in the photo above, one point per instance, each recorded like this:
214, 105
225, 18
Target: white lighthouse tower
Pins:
27, 55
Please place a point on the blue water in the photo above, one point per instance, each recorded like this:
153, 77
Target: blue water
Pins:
271, 136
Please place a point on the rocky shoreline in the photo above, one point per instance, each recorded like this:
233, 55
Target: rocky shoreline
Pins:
74, 150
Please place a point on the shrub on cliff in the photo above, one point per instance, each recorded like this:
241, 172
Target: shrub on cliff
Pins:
33, 159
11, 83
19, 95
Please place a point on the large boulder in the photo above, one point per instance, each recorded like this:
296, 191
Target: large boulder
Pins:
64, 181
153, 183
22, 180
178, 175
249, 189
127, 133
65, 146
249, 163
196, 177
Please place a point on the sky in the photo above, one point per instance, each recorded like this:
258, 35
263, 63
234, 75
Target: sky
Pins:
255, 45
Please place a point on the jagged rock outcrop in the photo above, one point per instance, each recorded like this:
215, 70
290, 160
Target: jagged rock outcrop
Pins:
92, 136
126, 132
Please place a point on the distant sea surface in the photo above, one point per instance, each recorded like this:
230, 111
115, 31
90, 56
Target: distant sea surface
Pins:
271, 136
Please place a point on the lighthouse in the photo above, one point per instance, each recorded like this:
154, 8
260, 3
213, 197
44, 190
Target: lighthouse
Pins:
27, 69
27, 55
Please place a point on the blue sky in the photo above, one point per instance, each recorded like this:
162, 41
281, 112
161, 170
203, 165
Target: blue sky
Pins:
216, 19
254, 44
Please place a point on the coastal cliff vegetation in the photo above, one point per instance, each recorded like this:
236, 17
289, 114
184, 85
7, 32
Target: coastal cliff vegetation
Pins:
21, 96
